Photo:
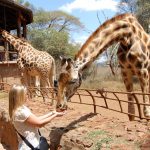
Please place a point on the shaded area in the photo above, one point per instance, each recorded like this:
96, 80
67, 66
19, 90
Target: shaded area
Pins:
9, 11
57, 133
146, 143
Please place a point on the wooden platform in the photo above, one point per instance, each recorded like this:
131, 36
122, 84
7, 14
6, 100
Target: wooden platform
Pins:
9, 69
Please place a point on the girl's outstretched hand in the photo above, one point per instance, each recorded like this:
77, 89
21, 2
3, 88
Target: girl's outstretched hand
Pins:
58, 114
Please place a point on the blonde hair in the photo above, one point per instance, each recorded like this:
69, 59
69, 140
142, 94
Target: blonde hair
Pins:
16, 98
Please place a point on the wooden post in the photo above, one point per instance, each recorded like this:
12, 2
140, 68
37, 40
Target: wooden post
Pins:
24, 30
19, 25
6, 46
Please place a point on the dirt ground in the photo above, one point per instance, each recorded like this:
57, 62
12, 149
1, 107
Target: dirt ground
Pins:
81, 129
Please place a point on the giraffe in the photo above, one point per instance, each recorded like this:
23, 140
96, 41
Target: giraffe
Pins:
133, 55
32, 62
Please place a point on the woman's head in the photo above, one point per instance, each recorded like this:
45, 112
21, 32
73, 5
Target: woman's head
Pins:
16, 98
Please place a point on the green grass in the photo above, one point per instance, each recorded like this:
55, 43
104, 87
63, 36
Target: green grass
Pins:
100, 142
103, 139
95, 134
99, 138
3, 95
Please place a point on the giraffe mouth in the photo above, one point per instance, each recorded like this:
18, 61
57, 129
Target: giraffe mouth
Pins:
61, 107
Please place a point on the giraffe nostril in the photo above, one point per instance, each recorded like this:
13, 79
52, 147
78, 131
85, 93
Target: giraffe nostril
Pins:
58, 106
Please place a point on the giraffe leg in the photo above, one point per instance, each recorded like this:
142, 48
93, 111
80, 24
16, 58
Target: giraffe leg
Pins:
42, 83
51, 79
28, 84
25, 80
127, 77
35, 86
50, 83
30, 91
45, 84
32, 86
22, 79
144, 82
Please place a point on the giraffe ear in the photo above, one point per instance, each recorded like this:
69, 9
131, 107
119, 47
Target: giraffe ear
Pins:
70, 60
61, 58
1, 30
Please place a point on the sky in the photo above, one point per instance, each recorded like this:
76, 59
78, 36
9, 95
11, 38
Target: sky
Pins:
85, 10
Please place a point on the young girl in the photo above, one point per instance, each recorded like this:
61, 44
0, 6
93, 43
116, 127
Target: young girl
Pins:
25, 122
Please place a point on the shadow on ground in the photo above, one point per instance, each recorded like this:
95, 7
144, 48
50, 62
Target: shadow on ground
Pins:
57, 133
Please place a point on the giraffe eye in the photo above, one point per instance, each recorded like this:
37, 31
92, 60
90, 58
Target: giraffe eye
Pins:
68, 67
69, 59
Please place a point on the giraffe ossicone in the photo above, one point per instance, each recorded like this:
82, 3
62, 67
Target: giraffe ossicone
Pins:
133, 55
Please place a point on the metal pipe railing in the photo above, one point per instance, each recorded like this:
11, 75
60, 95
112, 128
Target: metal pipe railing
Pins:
95, 95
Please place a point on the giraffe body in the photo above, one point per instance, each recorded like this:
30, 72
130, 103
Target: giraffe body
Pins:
133, 54
32, 62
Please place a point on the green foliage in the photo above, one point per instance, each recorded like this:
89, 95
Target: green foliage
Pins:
141, 8
143, 13
41, 19
51, 29
54, 42
20, 1
50, 32
26, 4
57, 20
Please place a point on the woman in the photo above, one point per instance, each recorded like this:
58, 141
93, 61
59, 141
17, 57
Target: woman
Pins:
25, 122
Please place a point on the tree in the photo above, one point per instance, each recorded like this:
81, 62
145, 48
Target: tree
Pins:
54, 42
19, 1
57, 20
143, 14
141, 8
26, 4
127, 6
50, 32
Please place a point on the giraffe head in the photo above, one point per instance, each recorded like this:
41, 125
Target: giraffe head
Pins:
3, 32
68, 82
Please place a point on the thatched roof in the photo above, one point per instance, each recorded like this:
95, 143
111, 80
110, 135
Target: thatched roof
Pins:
9, 11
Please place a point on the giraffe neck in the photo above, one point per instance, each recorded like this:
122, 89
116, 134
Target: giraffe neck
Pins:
15, 41
114, 30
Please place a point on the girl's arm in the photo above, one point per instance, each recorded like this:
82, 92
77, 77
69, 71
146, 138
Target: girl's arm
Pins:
38, 122
46, 116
